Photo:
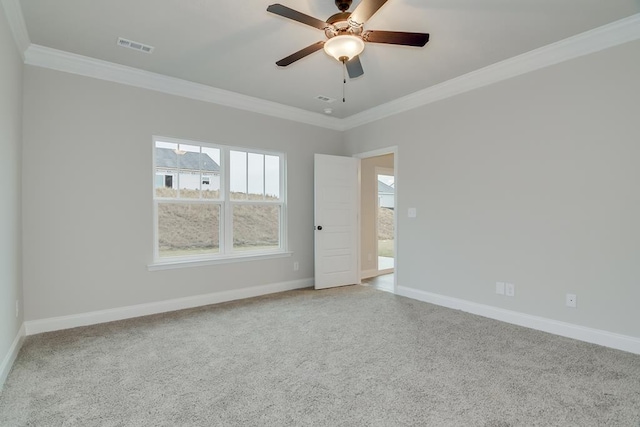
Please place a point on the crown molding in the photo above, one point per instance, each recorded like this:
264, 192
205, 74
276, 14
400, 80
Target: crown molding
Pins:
13, 11
613, 34
54, 59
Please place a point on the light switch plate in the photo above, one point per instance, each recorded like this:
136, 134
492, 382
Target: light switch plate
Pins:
500, 288
413, 212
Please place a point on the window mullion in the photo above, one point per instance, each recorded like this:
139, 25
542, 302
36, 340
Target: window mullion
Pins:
283, 203
156, 233
246, 173
228, 209
178, 171
200, 173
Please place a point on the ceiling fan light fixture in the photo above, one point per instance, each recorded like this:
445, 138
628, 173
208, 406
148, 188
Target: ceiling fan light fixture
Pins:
344, 47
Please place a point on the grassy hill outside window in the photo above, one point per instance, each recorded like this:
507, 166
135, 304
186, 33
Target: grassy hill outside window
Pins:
214, 201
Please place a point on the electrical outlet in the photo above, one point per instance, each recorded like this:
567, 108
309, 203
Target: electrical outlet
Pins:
500, 288
571, 300
296, 266
17, 308
412, 212
510, 289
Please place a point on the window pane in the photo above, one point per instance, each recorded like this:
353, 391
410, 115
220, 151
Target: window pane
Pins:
188, 148
210, 167
169, 145
188, 229
272, 177
256, 227
166, 167
189, 184
238, 175
256, 176
189, 171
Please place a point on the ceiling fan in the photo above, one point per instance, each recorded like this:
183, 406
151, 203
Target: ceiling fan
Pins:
345, 33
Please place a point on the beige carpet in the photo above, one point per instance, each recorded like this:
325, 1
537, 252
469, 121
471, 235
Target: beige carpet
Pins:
352, 356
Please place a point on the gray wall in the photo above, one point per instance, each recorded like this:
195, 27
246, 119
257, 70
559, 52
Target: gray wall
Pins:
87, 246
10, 153
534, 181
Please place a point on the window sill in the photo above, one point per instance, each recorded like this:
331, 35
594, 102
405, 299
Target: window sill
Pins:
226, 259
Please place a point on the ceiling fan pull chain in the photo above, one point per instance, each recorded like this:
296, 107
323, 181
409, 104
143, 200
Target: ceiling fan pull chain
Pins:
344, 78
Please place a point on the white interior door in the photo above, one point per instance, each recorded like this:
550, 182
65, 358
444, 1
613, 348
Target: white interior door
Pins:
336, 221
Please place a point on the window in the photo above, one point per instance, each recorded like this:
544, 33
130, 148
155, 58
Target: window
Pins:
213, 201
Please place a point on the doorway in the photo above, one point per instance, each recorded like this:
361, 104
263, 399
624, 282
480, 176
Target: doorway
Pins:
378, 260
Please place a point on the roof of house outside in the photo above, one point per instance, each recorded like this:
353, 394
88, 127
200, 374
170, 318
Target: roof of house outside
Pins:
168, 158
384, 188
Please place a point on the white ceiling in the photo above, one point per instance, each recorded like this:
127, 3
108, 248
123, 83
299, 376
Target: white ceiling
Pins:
233, 45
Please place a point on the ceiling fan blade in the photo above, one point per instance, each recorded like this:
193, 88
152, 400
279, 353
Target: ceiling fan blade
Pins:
365, 10
287, 12
354, 67
300, 54
396, 37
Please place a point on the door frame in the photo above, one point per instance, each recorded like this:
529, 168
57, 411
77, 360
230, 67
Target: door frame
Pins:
374, 153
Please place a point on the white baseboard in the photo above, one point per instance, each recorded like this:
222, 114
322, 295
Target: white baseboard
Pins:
110, 315
366, 274
8, 360
569, 330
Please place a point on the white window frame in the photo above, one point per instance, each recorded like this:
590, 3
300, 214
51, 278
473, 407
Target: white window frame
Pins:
226, 253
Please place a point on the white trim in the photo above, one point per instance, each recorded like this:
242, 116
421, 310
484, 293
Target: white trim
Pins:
606, 36
185, 262
379, 152
367, 274
358, 247
110, 315
13, 10
7, 362
569, 330
54, 59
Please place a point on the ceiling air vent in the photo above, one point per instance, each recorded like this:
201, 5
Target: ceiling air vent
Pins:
135, 45
325, 98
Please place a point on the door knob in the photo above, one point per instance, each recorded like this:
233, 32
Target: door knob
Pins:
319, 228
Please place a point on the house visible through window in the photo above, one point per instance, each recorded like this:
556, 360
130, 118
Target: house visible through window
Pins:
213, 201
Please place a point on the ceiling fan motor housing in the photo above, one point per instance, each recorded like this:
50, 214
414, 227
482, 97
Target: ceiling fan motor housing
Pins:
339, 25
343, 5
